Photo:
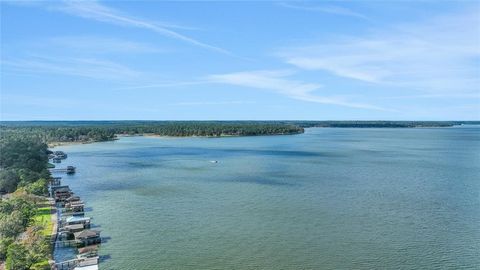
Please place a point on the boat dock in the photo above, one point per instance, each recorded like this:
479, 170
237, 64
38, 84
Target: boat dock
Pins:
73, 227
67, 170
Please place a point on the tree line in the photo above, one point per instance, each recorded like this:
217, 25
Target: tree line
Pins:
107, 130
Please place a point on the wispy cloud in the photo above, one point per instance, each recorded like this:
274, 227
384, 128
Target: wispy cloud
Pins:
336, 10
165, 85
99, 45
278, 81
83, 67
98, 12
205, 103
439, 55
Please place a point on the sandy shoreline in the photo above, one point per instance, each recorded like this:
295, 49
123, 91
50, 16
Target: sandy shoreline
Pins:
153, 135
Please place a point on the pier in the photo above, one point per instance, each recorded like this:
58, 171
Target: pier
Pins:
67, 170
72, 226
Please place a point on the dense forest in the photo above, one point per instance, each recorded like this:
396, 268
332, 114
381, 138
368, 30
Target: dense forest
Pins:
23, 174
106, 130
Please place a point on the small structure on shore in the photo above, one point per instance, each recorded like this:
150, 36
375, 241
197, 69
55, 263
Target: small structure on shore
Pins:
88, 251
73, 220
61, 193
72, 228
73, 198
87, 237
55, 181
70, 170
60, 154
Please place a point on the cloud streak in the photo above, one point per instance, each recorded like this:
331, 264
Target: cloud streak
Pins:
98, 12
98, 45
84, 67
336, 10
278, 81
205, 103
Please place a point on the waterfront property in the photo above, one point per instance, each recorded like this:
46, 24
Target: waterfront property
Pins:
87, 237
61, 193
74, 208
73, 226
88, 251
67, 170
59, 154
55, 181
74, 220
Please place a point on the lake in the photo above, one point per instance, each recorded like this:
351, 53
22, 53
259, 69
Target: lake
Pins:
373, 198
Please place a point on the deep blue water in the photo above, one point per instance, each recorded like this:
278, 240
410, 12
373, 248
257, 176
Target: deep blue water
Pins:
327, 199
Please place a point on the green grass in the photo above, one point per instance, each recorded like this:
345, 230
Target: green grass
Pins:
43, 218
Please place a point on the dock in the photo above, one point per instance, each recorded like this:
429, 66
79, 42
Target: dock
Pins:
72, 226
67, 170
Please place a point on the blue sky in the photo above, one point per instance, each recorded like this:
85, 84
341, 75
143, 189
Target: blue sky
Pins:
246, 60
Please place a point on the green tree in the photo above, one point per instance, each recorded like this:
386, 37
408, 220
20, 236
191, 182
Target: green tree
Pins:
17, 257
4, 243
39, 187
11, 225
9, 180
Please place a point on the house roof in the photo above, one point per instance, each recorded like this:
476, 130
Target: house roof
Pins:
88, 267
73, 227
88, 249
86, 234
77, 219
73, 198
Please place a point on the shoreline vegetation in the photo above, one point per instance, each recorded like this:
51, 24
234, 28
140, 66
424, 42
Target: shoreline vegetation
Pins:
26, 223
30, 200
57, 133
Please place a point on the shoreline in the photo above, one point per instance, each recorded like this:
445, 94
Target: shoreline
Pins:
153, 135
56, 144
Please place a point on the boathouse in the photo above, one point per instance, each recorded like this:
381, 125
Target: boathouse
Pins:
73, 220
88, 237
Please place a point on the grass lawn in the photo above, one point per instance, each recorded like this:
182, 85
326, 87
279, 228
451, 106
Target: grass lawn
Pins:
43, 218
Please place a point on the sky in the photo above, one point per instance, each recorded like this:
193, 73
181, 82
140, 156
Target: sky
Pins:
240, 60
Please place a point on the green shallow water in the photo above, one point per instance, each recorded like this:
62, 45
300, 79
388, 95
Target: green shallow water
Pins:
326, 199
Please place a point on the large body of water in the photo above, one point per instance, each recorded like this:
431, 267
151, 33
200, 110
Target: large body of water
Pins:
326, 199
